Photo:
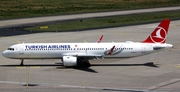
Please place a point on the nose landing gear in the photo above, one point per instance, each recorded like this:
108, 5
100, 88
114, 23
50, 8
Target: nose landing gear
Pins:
22, 62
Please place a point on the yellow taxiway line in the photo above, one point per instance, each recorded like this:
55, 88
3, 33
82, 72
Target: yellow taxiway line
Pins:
28, 66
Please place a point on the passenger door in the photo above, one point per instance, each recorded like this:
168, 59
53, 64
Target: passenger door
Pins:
21, 49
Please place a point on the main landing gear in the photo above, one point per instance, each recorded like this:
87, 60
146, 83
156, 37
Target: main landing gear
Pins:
83, 62
22, 62
87, 64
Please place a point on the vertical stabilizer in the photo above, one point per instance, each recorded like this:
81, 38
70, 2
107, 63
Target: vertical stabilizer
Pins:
159, 34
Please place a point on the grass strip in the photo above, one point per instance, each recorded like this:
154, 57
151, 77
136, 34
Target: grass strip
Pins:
30, 8
107, 22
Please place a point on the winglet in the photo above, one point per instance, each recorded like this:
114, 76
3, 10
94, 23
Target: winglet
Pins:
100, 39
159, 34
111, 51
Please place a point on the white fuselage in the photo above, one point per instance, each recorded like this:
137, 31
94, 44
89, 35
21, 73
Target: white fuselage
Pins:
58, 50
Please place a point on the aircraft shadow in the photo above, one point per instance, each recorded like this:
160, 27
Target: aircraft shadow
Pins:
87, 69
149, 64
42, 65
57, 65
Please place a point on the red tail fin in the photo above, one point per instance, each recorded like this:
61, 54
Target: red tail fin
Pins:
160, 33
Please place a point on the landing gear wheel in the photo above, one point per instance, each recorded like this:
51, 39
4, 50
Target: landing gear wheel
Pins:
84, 64
22, 62
87, 64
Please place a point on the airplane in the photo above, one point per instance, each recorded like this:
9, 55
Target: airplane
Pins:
75, 54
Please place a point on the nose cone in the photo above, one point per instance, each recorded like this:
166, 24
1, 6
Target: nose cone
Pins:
4, 53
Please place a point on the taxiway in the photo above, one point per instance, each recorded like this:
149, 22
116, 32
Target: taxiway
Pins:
136, 74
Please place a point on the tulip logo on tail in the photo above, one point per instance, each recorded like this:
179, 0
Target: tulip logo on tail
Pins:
159, 35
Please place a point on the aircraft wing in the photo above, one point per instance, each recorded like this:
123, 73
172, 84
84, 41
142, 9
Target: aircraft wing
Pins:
81, 55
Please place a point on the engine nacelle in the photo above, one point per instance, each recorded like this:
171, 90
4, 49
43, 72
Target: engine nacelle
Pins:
69, 61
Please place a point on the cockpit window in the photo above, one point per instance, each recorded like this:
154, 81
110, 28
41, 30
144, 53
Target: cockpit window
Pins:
11, 49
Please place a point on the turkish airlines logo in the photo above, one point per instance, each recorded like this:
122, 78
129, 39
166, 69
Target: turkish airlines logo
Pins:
159, 35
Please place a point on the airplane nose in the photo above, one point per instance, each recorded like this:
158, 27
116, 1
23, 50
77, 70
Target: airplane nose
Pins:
4, 53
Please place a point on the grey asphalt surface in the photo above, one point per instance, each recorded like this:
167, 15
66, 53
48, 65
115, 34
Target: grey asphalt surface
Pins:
105, 75
136, 74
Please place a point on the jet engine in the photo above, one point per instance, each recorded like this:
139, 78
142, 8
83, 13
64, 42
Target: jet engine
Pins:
69, 61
